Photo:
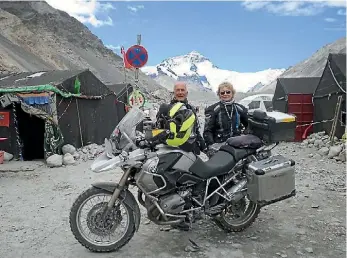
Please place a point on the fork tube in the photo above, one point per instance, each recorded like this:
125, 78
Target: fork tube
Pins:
120, 187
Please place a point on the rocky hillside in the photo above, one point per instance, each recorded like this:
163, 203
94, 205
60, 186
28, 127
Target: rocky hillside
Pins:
312, 66
34, 37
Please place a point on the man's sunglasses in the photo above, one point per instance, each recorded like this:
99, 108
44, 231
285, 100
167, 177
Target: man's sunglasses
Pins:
225, 92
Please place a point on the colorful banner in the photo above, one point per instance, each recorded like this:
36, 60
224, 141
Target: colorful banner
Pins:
5, 119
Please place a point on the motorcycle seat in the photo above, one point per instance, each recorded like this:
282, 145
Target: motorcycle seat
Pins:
247, 141
238, 153
219, 164
242, 146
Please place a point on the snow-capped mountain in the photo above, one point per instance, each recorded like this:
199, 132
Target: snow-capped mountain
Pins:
199, 71
256, 87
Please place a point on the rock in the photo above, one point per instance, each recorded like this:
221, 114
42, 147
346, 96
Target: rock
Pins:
309, 249
310, 155
318, 143
334, 151
323, 151
68, 159
68, 148
304, 143
7, 156
311, 136
317, 156
325, 137
342, 156
322, 133
315, 206
190, 248
76, 155
311, 140
55, 160
236, 245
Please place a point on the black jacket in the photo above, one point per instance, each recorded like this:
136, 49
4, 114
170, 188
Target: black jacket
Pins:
220, 124
199, 143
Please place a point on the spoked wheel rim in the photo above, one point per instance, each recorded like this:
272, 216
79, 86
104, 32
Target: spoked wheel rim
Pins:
97, 232
240, 213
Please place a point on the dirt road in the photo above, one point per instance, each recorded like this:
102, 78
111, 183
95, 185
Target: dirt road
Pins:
35, 207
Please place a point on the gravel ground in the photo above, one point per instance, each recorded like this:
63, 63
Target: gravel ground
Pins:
35, 207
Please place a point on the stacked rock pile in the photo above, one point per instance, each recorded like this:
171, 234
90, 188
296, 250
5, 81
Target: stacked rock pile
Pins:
71, 156
321, 142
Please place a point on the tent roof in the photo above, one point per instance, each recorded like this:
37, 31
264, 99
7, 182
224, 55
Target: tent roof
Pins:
340, 61
304, 85
38, 78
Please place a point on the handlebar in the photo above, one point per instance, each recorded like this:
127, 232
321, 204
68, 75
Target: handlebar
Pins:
153, 141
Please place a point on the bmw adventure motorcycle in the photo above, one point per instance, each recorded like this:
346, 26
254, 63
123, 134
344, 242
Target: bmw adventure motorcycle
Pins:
176, 186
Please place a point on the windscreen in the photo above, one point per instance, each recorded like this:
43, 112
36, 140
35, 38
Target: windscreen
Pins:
125, 132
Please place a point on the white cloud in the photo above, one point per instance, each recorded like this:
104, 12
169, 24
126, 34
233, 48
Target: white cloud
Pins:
114, 48
135, 8
341, 12
292, 7
330, 19
336, 29
85, 11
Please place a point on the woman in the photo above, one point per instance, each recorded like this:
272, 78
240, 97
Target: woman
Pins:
225, 118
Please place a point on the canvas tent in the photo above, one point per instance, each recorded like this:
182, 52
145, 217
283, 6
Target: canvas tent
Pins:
286, 86
294, 96
331, 85
44, 110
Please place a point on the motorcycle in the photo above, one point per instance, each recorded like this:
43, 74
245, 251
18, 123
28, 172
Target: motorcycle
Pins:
175, 186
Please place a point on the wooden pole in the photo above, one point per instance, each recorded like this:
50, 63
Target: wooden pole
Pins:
336, 118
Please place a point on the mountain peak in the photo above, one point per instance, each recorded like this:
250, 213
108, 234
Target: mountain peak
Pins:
198, 70
195, 53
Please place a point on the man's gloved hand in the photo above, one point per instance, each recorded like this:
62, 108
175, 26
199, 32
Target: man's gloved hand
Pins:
202, 145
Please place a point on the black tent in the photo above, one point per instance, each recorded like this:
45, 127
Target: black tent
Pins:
44, 110
331, 85
286, 86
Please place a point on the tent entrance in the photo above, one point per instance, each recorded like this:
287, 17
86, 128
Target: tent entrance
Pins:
31, 130
302, 107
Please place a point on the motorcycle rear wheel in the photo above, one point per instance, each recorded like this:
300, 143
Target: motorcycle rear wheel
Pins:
76, 228
237, 225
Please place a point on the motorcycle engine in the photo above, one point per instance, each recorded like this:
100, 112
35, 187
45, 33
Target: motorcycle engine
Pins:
172, 203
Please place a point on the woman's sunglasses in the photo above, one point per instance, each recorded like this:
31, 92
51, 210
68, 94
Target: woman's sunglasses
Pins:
225, 92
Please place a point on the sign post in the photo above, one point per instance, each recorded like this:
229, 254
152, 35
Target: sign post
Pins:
137, 56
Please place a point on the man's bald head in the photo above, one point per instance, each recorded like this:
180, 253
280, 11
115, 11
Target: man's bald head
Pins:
180, 91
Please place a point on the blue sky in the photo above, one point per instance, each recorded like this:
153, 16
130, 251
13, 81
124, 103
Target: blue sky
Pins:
240, 36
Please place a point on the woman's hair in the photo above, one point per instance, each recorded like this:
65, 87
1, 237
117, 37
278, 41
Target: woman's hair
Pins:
227, 85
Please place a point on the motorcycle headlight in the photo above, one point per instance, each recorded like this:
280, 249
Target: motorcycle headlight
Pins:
151, 165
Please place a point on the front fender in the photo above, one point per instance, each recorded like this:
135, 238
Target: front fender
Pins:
128, 197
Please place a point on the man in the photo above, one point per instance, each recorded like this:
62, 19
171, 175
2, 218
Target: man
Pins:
196, 142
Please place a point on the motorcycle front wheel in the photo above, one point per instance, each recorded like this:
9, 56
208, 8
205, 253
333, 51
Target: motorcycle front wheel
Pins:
91, 230
238, 216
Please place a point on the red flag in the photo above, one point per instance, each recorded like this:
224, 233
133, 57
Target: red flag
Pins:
125, 61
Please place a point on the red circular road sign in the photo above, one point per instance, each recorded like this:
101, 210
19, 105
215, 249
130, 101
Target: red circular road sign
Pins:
137, 56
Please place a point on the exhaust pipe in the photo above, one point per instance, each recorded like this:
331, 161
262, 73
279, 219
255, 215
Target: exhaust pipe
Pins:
237, 192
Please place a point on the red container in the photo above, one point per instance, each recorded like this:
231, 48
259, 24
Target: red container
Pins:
302, 107
2, 156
